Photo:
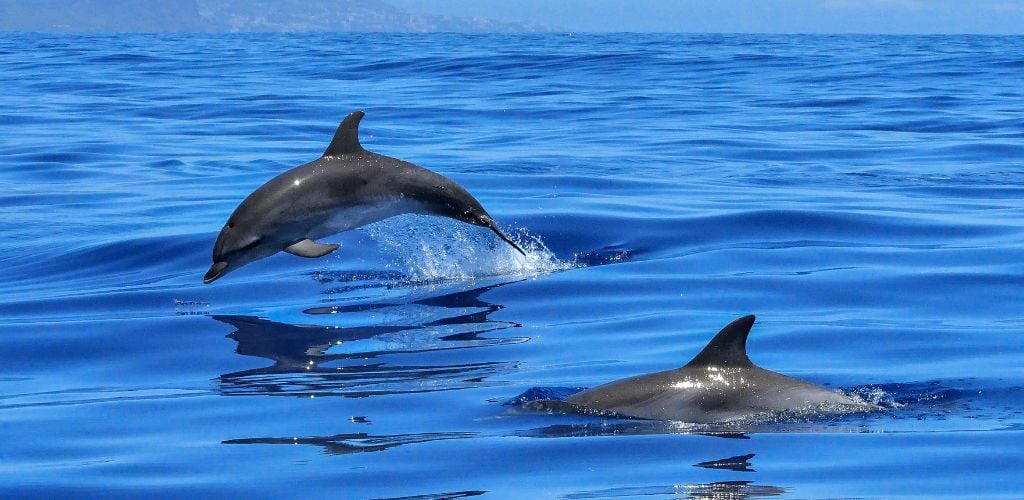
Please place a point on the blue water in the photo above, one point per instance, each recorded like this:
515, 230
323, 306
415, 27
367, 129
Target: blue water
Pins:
862, 195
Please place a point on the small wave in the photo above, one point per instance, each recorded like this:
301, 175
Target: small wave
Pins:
919, 396
537, 394
362, 379
124, 58
96, 395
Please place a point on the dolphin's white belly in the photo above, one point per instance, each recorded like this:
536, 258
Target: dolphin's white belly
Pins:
354, 216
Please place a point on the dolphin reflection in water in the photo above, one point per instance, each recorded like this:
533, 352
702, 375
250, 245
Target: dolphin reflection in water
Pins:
310, 359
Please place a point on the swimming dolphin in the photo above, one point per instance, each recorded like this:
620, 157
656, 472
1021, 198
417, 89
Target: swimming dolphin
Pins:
718, 385
346, 188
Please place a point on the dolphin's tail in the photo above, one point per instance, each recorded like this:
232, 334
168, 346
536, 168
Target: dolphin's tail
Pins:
494, 227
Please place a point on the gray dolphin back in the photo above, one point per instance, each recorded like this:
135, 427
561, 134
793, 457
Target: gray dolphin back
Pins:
719, 384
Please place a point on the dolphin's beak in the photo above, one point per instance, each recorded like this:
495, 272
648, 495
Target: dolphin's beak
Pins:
216, 271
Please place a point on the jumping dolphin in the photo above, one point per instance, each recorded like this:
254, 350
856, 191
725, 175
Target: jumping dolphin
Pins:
346, 188
718, 385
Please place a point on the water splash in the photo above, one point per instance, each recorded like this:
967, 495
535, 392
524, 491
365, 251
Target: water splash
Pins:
431, 249
876, 395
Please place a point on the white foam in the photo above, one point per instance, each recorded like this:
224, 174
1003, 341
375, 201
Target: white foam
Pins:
434, 249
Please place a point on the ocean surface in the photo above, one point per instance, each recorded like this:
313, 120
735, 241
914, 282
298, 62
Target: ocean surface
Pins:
862, 195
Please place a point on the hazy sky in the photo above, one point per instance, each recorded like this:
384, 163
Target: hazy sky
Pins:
748, 16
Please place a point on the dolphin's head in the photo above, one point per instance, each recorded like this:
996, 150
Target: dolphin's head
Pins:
239, 243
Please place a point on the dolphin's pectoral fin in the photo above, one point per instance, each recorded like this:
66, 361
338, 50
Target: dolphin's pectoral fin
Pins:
311, 249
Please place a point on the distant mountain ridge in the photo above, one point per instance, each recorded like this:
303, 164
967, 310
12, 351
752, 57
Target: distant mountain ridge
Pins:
236, 16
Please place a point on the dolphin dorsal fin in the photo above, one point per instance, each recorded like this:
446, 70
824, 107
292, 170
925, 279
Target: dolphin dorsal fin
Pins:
346, 138
728, 347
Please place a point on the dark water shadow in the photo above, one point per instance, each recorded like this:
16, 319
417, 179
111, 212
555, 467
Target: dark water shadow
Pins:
364, 360
344, 444
740, 463
339, 444
438, 496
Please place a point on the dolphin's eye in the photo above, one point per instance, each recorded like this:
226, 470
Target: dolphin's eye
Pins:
231, 225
